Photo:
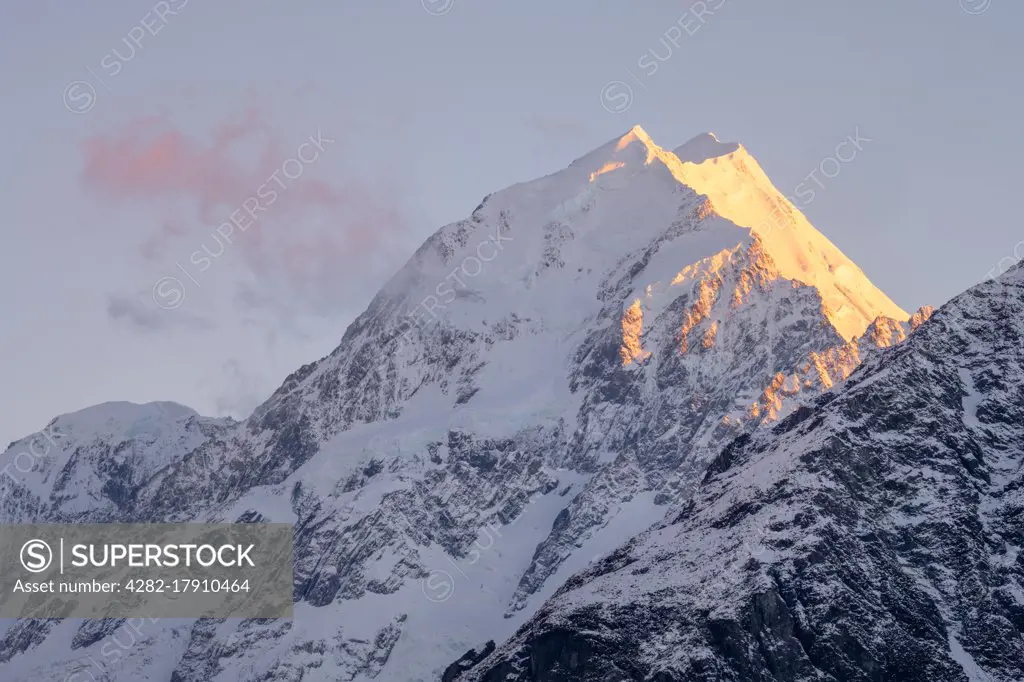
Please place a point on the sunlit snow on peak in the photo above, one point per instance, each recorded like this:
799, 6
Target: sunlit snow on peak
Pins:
608, 167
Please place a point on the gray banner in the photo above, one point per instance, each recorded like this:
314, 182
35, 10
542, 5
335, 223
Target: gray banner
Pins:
159, 570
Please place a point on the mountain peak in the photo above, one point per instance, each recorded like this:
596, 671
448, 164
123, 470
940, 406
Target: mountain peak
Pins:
633, 168
636, 137
742, 193
637, 133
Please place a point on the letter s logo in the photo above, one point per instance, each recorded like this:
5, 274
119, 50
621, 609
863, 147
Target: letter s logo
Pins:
36, 556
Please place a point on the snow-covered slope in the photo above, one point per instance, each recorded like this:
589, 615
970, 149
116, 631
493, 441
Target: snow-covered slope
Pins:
873, 535
539, 382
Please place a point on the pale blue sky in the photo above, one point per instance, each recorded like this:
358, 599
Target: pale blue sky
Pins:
432, 112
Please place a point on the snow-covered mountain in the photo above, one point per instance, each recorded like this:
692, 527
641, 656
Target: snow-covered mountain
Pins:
538, 383
873, 535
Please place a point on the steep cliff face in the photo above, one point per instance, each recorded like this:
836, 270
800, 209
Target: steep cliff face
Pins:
874, 534
540, 380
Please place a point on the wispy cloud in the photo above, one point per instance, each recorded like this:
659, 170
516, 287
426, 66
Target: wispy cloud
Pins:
319, 238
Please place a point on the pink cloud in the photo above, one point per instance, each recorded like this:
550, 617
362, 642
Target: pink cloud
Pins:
148, 159
315, 234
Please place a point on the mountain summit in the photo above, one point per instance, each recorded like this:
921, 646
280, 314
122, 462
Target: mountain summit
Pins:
539, 381
740, 192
